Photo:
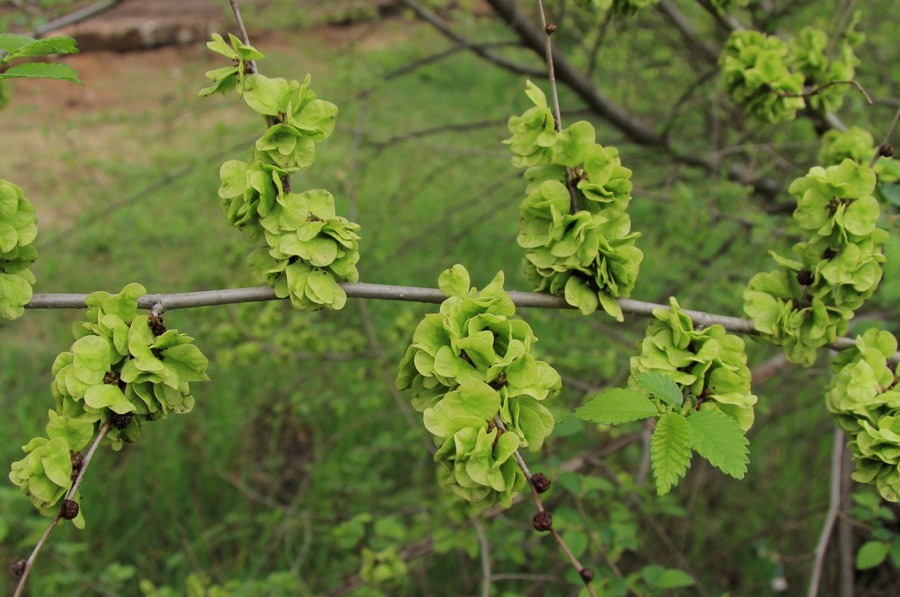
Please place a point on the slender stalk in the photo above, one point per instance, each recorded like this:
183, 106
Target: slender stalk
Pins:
834, 503
363, 290
252, 70
485, 549
71, 494
885, 148
539, 504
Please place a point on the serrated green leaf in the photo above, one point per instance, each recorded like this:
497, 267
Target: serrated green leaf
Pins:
871, 554
661, 386
27, 46
617, 405
42, 70
670, 451
718, 438
10, 42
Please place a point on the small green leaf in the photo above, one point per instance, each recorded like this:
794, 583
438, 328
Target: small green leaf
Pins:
670, 451
454, 281
15, 293
10, 42
27, 46
42, 70
718, 438
661, 386
108, 396
579, 294
666, 578
871, 554
617, 405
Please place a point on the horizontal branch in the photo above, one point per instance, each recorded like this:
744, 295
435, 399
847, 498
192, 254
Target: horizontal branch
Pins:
363, 290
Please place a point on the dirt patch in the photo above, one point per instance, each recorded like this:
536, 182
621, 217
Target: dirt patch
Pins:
140, 25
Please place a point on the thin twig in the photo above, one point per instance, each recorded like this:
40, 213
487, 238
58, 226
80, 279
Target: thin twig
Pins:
834, 502
363, 290
252, 70
70, 495
439, 24
822, 88
885, 144
74, 17
554, 94
539, 504
485, 549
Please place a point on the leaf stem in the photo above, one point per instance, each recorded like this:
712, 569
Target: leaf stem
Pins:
71, 493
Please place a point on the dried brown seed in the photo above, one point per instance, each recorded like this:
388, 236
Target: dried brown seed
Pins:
542, 521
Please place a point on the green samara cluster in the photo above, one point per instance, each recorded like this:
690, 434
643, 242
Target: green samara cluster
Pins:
865, 399
696, 384
308, 248
772, 79
809, 301
125, 369
709, 365
18, 229
469, 365
573, 222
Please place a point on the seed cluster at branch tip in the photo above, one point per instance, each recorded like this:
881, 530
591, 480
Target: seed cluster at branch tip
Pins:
308, 249
542, 521
469, 366
809, 301
573, 223
540, 482
117, 375
772, 79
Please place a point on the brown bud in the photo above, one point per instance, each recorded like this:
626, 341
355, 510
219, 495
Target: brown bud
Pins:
69, 509
542, 521
886, 150
156, 324
551, 27
120, 421
805, 277
540, 482
587, 575
18, 567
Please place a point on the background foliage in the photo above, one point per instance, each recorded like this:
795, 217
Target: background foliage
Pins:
299, 460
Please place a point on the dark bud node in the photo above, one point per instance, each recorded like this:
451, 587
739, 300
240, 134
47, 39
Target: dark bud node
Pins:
542, 521
156, 324
587, 575
18, 567
69, 509
540, 482
805, 277
886, 150
111, 378
551, 28
77, 461
120, 421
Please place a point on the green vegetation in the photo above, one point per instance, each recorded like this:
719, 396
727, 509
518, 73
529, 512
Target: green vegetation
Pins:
302, 471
